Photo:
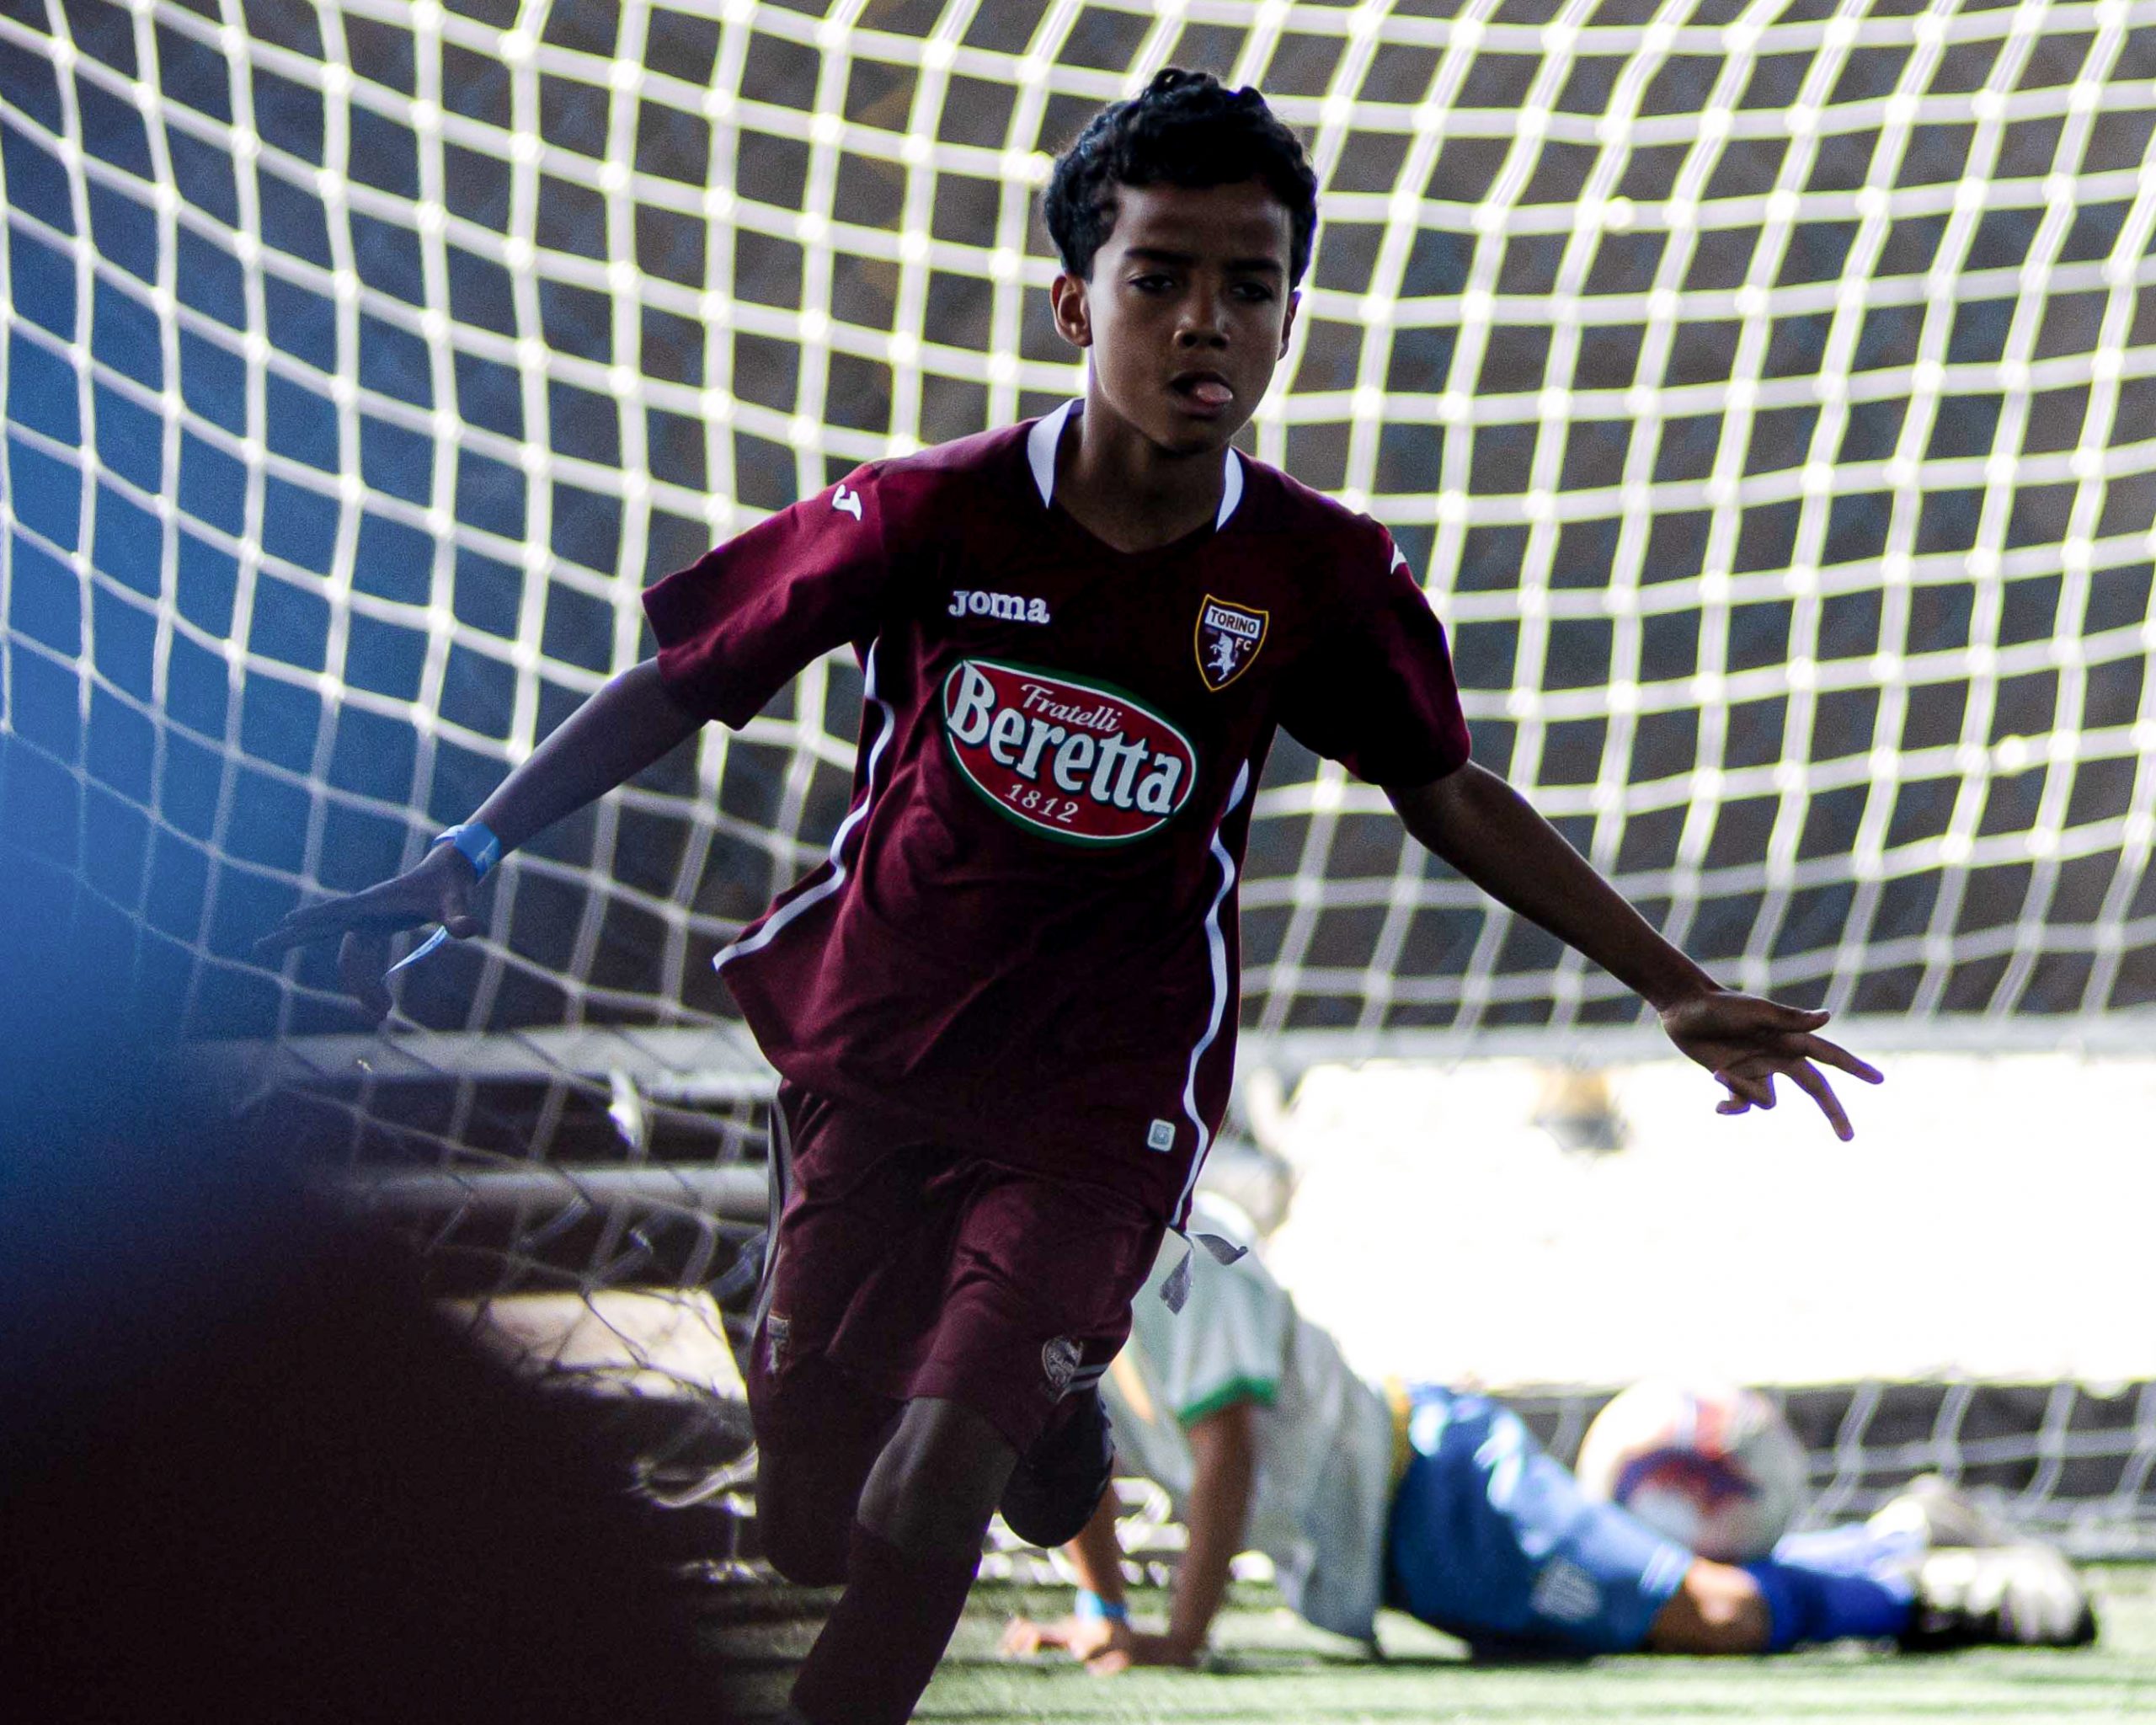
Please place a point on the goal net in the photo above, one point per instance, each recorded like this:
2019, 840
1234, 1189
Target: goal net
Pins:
1766, 393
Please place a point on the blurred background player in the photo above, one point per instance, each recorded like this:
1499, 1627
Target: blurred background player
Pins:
248, 1473
1440, 1504
1004, 1008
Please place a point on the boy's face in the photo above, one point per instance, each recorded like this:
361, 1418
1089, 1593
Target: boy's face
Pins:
1187, 310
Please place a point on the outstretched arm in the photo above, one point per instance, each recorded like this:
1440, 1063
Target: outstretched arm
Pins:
1484, 828
623, 728
1223, 1470
628, 724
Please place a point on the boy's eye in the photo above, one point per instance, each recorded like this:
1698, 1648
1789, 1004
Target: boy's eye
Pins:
1152, 283
1255, 293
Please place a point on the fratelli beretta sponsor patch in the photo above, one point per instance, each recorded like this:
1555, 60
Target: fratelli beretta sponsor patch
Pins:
1078, 760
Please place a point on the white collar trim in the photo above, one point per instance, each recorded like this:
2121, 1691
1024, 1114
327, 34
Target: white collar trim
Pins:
1042, 441
1041, 445
1231, 488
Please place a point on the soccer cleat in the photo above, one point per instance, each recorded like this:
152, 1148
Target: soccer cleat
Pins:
1941, 1517
1058, 1484
2025, 1596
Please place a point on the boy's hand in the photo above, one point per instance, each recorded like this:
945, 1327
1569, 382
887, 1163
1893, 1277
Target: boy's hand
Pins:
1081, 1638
1744, 1041
1134, 1647
437, 890
1107, 1647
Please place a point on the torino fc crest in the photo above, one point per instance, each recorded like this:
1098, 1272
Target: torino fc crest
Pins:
1229, 636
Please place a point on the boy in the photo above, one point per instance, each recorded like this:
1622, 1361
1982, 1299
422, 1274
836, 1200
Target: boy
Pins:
1441, 1504
1004, 1008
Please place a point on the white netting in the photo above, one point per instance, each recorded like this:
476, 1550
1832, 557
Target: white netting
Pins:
592, 1203
1767, 393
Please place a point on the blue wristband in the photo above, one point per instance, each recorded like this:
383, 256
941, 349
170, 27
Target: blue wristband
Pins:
1091, 1608
476, 843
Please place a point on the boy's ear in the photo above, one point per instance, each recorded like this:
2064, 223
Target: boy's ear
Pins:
1074, 318
1288, 322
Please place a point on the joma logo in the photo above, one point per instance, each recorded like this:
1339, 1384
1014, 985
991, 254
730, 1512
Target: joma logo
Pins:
1006, 607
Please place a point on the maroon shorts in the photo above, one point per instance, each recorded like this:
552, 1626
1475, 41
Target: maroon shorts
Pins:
915, 1269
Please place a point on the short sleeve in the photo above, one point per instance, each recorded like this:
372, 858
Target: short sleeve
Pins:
1230, 1341
737, 625
1376, 693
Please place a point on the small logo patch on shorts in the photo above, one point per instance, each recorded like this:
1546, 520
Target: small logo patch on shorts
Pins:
1160, 1135
1565, 1592
1058, 1361
778, 1334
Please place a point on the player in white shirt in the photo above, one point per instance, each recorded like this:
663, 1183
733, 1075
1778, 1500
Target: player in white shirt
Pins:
1441, 1504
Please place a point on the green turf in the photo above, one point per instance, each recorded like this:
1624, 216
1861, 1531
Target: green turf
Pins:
1270, 1668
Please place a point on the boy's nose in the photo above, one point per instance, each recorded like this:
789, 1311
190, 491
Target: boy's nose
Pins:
1201, 328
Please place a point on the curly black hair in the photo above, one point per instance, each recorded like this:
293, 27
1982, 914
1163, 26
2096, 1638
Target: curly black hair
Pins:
1183, 129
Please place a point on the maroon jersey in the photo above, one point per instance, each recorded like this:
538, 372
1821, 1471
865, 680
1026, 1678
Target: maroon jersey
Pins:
1024, 933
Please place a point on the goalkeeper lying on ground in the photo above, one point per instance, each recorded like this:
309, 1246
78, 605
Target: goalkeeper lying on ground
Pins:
1441, 1504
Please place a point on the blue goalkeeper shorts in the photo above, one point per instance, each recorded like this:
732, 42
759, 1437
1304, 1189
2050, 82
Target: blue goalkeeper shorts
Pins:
1492, 1540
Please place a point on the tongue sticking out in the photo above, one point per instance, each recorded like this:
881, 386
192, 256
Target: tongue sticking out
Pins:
1210, 392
